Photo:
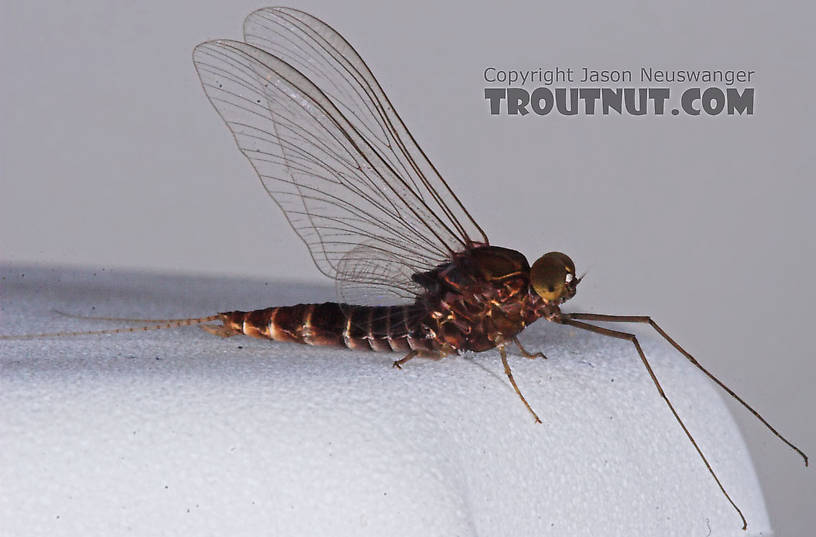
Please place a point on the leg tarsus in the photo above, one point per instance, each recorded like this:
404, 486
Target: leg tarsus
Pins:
524, 352
513, 382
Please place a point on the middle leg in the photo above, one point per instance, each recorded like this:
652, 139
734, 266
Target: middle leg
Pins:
513, 382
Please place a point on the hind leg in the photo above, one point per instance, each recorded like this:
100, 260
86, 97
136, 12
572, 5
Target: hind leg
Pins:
432, 355
219, 330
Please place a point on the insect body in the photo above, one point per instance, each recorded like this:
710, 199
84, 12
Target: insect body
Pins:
479, 300
415, 273
376, 215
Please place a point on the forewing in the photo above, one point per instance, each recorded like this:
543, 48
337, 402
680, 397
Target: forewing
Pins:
335, 189
327, 59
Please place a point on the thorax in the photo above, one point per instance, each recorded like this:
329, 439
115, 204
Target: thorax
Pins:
481, 297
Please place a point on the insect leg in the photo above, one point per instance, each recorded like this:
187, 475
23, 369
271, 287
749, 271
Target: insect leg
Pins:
418, 353
524, 352
631, 337
513, 382
398, 363
219, 330
648, 320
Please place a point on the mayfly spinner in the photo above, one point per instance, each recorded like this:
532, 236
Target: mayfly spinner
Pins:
414, 271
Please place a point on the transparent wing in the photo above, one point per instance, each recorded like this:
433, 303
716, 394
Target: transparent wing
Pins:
327, 59
372, 275
333, 157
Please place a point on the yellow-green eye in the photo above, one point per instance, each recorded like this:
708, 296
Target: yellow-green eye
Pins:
551, 275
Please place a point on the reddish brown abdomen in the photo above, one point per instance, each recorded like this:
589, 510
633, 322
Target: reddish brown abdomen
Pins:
378, 328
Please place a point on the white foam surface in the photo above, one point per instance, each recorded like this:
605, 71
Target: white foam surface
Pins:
178, 432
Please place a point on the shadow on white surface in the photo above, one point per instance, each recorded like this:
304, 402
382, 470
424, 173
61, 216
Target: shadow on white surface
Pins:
178, 432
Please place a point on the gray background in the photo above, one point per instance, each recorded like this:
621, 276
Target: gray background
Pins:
111, 156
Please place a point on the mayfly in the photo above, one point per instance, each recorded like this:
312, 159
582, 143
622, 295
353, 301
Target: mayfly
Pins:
414, 271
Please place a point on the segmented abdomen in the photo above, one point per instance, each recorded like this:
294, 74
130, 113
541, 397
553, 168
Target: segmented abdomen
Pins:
378, 328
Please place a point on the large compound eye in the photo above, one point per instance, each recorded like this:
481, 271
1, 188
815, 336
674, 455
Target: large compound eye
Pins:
551, 275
